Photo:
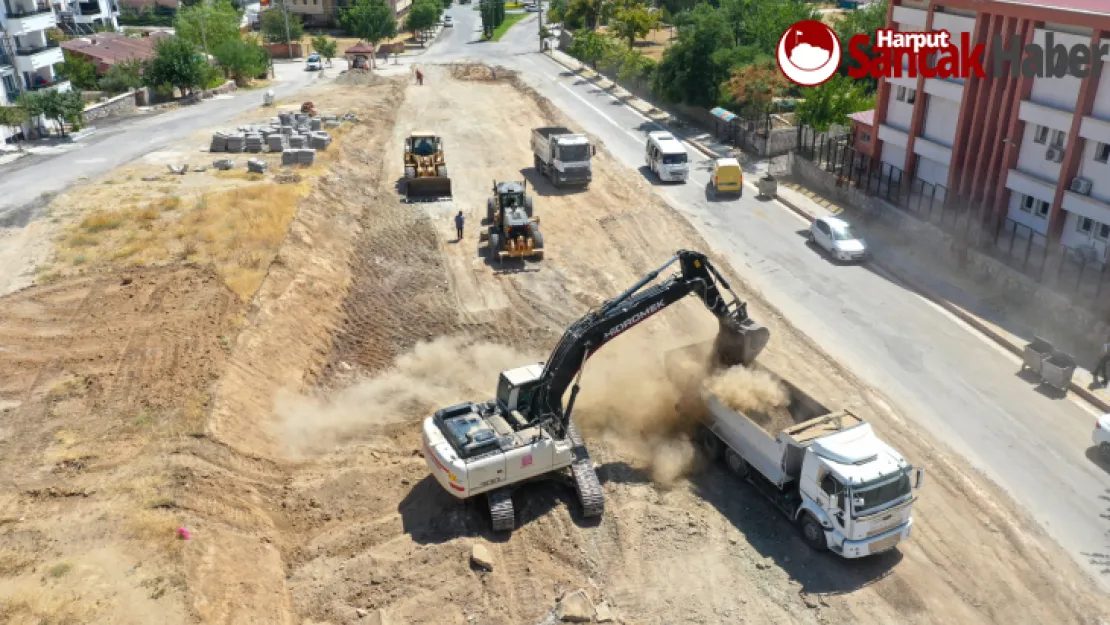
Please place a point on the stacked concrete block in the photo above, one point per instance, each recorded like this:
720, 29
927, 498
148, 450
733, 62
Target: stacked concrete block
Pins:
316, 123
219, 142
287, 131
301, 118
254, 143
276, 142
256, 166
329, 118
289, 157
319, 141
333, 123
297, 141
223, 163
306, 157
236, 143
286, 119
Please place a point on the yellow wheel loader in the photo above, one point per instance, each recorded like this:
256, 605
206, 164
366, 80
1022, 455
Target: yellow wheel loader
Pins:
513, 231
425, 169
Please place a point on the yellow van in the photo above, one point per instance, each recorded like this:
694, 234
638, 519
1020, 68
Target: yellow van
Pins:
728, 177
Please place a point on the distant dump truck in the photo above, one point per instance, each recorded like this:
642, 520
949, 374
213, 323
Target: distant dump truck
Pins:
562, 156
846, 489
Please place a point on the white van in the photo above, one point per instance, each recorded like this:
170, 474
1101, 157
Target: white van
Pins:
666, 156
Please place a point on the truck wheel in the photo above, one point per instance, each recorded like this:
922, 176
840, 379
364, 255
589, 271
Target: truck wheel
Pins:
489, 211
410, 172
813, 533
735, 463
537, 243
1104, 451
710, 444
494, 247
537, 164
528, 206
441, 171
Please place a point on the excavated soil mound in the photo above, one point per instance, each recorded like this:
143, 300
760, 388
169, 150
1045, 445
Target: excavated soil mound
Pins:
361, 77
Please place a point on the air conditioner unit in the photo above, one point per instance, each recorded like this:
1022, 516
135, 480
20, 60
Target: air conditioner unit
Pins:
1054, 154
1082, 186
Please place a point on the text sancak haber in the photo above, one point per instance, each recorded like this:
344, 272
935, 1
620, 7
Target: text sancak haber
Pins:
896, 54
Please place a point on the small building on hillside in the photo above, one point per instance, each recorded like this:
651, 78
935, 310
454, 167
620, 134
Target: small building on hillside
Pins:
863, 132
107, 49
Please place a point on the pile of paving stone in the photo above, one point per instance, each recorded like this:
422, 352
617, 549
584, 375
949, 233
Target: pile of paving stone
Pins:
219, 142
223, 164
236, 143
319, 140
254, 143
294, 156
299, 132
256, 166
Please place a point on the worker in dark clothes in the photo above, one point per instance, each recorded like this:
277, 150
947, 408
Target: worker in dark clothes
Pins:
459, 224
1103, 361
419, 78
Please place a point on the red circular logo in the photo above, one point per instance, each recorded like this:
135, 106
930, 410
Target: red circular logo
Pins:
808, 53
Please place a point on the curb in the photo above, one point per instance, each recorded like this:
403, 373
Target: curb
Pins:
963, 315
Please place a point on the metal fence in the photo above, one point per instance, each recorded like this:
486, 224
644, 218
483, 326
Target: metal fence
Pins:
1076, 272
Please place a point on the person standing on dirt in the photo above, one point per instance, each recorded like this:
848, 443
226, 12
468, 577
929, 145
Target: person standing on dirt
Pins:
419, 78
459, 225
1103, 361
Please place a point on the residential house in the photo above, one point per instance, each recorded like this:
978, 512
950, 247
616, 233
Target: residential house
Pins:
27, 56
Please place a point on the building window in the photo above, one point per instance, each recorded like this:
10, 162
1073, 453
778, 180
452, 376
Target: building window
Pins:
866, 138
1041, 210
1102, 232
1030, 204
911, 96
1084, 225
1102, 152
1059, 137
1027, 203
901, 94
1040, 134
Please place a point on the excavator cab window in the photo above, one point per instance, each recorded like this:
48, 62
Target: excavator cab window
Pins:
424, 147
505, 392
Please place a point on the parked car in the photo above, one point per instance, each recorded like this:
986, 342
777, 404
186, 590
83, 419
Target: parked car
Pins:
531, 8
728, 177
838, 238
314, 63
447, 21
1101, 437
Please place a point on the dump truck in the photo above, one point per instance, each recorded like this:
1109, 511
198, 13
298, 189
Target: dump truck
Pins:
425, 167
513, 231
562, 156
846, 489
525, 433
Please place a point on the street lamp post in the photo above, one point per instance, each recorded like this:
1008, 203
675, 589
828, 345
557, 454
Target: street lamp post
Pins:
288, 39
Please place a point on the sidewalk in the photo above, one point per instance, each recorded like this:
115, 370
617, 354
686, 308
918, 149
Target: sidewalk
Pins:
809, 206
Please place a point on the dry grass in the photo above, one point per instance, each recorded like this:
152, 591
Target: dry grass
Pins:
59, 570
13, 563
38, 606
101, 220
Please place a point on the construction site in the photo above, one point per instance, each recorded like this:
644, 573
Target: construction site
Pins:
214, 387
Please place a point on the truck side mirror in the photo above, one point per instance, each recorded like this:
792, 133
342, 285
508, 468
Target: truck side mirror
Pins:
918, 478
593, 150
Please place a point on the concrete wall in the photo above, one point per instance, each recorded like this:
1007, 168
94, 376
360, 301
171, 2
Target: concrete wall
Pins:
281, 50
1058, 92
941, 117
1101, 108
1031, 158
123, 104
1071, 325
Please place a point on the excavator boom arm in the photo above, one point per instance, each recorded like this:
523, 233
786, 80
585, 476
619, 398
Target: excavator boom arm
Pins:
739, 339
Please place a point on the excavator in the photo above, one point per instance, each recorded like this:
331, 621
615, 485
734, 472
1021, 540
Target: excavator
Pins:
425, 168
524, 433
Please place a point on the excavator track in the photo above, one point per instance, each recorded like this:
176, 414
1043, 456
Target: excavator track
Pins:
501, 510
589, 489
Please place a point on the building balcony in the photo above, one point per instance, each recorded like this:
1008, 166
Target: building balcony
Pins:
1027, 184
60, 84
932, 150
944, 88
1095, 129
31, 59
910, 16
1086, 206
22, 22
890, 134
88, 9
1043, 115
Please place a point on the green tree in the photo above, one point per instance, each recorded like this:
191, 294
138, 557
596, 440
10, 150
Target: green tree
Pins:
242, 60
80, 71
123, 76
591, 47
760, 23
13, 117
272, 23
635, 67
832, 102
206, 26
370, 20
632, 22
864, 20
754, 87
175, 63
61, 107
582, 14
556, 11
325, 47
696, 64
422, 16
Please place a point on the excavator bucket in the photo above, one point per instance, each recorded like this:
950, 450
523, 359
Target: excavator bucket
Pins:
428, 188
739, 341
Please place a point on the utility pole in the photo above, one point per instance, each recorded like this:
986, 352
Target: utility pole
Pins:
288, 40
539, 20
203, 37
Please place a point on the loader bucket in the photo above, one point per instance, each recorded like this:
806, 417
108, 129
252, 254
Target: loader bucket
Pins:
739, 341
430, 188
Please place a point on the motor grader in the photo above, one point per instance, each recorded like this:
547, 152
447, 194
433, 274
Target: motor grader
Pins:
425, 168
513, 230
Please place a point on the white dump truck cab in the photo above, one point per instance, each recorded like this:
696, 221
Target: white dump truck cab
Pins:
475, 448
666, 157
859, 489
562, 156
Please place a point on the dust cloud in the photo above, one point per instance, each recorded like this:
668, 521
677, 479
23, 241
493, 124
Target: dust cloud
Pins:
756, 393
435, 374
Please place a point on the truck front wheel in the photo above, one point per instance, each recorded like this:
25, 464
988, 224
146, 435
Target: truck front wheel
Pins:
710, 444
813, 533
735, 463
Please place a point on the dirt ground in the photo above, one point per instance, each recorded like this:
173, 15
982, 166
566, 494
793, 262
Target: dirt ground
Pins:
281, 428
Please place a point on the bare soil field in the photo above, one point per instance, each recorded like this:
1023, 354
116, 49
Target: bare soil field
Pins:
280, 425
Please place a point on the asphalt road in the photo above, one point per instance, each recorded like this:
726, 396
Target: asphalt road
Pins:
21, 185
929, 366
